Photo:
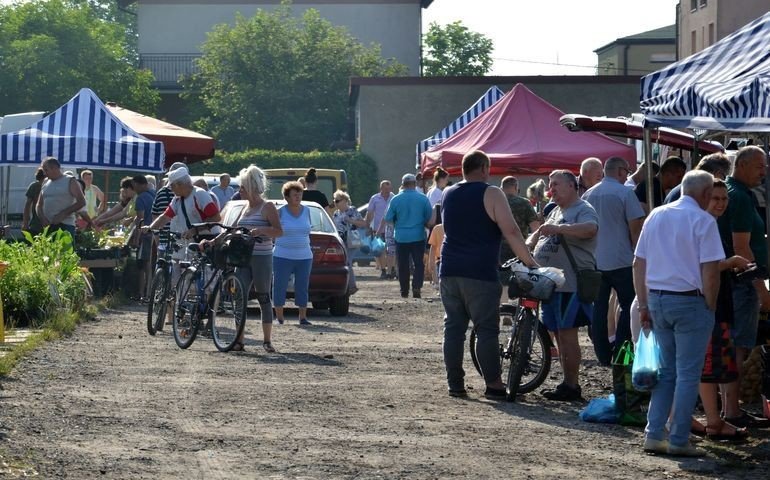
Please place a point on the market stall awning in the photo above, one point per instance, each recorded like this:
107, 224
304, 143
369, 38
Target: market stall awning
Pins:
522, 135
490, 97
181, 144
82, 133
724, 87
621, 127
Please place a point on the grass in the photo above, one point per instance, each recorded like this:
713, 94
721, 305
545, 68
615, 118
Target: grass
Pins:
57, 325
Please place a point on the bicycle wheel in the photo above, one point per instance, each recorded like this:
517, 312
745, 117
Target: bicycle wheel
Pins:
507, 314
186, 309
539, 365
156, 307
228, 312
519, 351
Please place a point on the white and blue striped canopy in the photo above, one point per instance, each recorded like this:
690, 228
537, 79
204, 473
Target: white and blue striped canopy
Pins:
487, 100
724, 87
83, 133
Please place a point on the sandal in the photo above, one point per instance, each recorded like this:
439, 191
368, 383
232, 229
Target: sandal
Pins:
268, 347
237, 347
733, 433
697, 428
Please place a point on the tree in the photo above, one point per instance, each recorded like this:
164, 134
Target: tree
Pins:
276, 81
453, 50
50, 49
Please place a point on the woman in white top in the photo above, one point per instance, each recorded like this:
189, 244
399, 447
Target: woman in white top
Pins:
440, 180
261, 217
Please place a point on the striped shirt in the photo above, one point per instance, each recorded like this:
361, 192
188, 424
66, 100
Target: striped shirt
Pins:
252, 219
294, 244
162, 199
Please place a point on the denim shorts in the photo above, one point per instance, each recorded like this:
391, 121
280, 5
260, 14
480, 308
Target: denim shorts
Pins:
746, 314
565, 311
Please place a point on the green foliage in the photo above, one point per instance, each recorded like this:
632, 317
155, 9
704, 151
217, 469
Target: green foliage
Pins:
50, 49
44, 275
361, 169
276, 81
454, 50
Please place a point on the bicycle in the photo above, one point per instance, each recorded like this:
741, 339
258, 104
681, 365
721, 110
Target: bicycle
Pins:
525, 356
225, 306
161, 290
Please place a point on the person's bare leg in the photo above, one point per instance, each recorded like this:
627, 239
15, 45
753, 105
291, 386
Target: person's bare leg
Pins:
279, 314
569, 354
267, 331
708, 396
302, 312
732, 392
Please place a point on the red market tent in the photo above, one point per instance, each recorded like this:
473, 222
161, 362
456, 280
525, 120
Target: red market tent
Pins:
522, 135
181, 144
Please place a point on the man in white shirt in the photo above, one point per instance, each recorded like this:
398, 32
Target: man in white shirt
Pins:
676, 276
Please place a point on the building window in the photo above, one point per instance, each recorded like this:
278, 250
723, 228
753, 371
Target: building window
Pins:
693, 5
693, 43
663, 58
711, 34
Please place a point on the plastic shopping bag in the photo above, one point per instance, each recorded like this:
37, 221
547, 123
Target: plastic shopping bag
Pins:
630, 404
373, 245
600, 410
644, 374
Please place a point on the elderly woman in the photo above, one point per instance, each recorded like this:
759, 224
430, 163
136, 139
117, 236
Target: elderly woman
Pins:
346, 219
292, 253
261, 217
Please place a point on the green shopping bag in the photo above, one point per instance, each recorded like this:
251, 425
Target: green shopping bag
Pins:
630, 403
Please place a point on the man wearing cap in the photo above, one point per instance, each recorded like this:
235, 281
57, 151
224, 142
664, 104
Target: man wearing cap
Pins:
409, 212
189, 206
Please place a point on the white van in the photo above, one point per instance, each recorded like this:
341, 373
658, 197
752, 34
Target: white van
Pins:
15, 179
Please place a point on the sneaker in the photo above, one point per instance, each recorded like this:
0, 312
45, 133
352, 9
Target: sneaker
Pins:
564, 393
495, 394
416, 293
746, 420
393, 275
384, 275
655, 446
686, 451
303, 321
404, 294
268, 347
279, 320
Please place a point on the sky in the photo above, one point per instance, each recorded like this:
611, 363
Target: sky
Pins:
551, 37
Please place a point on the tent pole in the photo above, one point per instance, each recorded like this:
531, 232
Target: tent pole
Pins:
647, 136
766, 140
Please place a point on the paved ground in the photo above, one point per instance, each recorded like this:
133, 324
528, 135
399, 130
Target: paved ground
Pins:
356, 397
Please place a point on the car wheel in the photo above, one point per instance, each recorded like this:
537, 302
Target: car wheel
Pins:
320, 305
339, 306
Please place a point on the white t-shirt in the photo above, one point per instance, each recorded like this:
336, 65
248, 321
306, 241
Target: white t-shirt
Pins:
676, 239
434, 195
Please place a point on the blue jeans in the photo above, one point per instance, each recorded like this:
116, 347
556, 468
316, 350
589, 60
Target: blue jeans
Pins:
415, 251
622, 280
467, 299
682, 327
282, 270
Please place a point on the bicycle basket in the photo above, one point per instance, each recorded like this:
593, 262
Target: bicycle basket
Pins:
233, 250
531, 285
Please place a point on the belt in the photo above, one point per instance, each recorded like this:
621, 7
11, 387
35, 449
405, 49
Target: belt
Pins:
688, 293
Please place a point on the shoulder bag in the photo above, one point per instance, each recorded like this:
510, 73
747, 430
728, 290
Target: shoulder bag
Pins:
588, 280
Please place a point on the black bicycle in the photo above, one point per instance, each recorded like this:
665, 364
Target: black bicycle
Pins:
525, 354
209, 288
161, 290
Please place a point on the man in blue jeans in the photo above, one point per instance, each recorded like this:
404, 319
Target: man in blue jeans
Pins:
476, 216
409, 212
676, 275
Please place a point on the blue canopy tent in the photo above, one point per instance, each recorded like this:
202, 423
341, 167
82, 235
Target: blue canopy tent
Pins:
492, 95
82, 133
724, 87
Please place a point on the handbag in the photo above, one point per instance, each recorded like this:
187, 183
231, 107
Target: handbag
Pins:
353, 239
588, 280
630, 404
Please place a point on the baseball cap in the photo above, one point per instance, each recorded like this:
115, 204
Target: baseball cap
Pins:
178, 174
408, 178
